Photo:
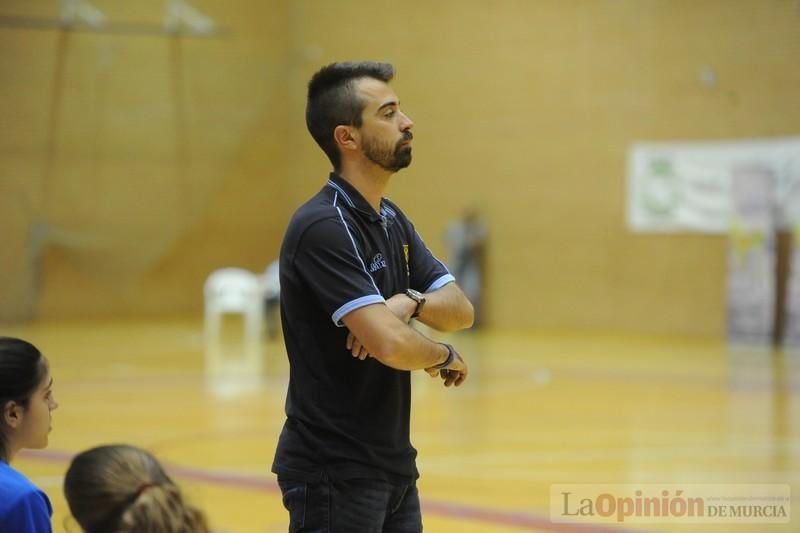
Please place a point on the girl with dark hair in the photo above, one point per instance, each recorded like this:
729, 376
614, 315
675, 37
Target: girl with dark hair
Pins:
26, 403
123, 489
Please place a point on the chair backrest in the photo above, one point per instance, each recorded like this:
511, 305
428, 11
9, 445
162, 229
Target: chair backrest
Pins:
232, 289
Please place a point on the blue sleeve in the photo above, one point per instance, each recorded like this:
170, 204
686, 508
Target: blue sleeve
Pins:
427, 272
30, 514
331, 262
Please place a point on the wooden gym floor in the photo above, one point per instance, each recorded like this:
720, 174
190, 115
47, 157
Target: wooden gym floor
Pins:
538, 409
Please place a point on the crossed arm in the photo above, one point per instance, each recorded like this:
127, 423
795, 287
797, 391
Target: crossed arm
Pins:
382, 331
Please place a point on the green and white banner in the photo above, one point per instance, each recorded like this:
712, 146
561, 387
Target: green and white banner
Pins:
687, 186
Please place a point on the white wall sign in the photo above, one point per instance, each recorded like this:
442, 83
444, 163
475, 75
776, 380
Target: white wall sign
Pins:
686, 187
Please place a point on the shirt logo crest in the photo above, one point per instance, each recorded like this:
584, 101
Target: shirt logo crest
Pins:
378, 262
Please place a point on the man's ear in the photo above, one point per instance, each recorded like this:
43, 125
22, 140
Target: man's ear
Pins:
12, 414
346, 137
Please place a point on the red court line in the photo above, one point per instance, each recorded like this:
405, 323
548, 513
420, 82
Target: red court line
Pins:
523, 520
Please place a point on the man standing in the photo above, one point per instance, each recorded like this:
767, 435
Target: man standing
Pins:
353, 273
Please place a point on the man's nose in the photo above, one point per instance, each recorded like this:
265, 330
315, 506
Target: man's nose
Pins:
407, 123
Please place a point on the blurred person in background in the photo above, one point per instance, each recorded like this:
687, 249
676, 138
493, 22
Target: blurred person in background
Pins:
271, 288
466, 242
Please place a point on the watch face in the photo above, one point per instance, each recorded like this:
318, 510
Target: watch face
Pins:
415, 295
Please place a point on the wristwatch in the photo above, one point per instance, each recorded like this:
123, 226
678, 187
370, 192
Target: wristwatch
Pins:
417, 297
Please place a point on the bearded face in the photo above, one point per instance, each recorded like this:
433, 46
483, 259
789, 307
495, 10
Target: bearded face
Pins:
387, 156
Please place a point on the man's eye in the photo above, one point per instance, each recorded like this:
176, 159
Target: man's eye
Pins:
389, 114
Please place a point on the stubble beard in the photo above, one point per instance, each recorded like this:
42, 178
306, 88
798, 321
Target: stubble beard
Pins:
388, 159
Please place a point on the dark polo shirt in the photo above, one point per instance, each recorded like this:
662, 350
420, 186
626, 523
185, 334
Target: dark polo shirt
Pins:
345, 417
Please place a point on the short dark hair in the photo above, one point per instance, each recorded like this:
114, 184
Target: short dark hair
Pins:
334, 101
22, 369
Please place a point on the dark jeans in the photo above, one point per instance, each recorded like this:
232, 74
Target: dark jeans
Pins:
351, 506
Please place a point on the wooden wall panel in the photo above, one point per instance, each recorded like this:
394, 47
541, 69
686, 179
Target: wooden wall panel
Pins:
523, 108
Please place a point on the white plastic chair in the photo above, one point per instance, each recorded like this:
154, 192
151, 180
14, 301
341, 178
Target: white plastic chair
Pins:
233, 291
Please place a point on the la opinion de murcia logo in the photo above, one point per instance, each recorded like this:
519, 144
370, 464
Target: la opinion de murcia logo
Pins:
378, 262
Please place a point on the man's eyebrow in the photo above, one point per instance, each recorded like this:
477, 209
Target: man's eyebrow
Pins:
389, 103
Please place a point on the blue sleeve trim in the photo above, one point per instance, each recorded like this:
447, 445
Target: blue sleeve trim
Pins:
355, 304
441, 282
